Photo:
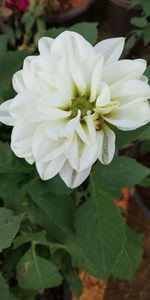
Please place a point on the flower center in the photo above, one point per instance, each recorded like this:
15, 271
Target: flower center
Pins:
82, 104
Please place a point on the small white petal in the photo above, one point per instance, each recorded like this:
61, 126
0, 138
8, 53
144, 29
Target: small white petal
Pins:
23, 105
72, 124
91, 127
5, 116
45, 148
96, 77
53, 100
30, 160
81, 129
18, 82
44, 45
106, 140
21, 139
130, 91
110, 48
72, 178
56, 129
83, 49
104, 97
124, 69
130, 117
27, 70
52, 113
72, 153
48, 170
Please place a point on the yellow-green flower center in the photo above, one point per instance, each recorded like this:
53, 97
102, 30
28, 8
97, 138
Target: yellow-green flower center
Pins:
81, 103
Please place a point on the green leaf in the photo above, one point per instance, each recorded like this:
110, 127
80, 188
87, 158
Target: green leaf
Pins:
4, 290
87, 30
25, 17
39, 10
146, 6
3, 42
9, 226
130, 43
130, 257
145, 182
146, 35
121, 172
100, 233
37, 237
29, 25
73, 280
63, 261
140, 22
49, 186
10, 191
145, 147
55, 213
145, 134
101, 237
14, 61
9, 163
35, 272
123, 139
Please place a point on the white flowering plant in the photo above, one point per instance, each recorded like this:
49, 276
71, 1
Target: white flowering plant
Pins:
69, 109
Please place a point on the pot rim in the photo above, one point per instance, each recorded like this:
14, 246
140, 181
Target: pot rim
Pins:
122, 3
70, 14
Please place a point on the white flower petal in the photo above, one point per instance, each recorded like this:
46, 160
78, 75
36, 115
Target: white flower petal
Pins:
29, 160
62, 78
76, 72
72, 124
52, 113
53, 100
21, 139
96, 77
47, 170
110, 48
91, 127
56, 129
130, 91
5, 116
18, 82
124, 70
23, 105
44, 45
71, 177
104, 97
72, 153
88, 156
144, 78
45, 148
130, 117
81, 129
82, 48
81, 155
106, 140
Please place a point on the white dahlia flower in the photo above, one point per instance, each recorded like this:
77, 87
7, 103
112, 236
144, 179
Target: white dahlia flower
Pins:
68, 98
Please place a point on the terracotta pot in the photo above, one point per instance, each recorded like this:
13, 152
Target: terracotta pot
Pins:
122, 3
71, 13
